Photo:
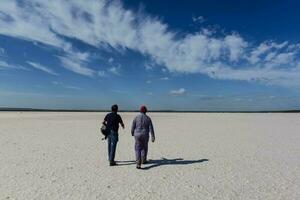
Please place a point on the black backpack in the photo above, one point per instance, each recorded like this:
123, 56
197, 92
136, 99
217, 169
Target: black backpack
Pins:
105, 131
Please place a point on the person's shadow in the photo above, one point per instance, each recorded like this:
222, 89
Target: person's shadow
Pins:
176, 161
164, 161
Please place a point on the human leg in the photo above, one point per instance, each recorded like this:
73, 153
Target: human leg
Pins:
112, 147
144, 151
138, 147
109, 146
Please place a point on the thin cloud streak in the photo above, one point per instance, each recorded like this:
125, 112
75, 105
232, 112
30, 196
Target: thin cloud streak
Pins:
179, 92
62, 85
6, 65
2, 51
73, 87
76, 66
42, 68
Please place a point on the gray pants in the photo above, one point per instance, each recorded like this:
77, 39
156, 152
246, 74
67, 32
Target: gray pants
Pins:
141, 147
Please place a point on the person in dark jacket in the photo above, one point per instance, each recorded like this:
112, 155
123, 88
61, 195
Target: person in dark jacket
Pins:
112, 121
141, 126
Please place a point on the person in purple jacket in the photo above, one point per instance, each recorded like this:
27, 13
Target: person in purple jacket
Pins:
141, 126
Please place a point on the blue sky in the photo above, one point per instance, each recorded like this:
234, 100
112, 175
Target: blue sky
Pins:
180, 55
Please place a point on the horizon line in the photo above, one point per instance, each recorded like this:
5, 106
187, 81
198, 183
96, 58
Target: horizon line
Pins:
157, 110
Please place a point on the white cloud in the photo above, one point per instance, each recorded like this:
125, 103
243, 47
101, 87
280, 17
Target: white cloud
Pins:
2, 51
149, 66
115, 70
108, 25
75, 65
270, 56
42, 68
267, 50
27, 23
199, 19
120, 91
73, 87
178, 92
285, 77
148, 82
61, 84
102, 73
236, 45
165, 78
110, 60
56, 83
79, 55
6, 65
282, 59
256, 53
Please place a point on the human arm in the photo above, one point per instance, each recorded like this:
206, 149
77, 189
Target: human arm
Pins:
152, 131
133, 127
105, 120
121, 122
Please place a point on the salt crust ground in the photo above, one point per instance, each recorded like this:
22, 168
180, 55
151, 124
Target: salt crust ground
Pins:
196, 156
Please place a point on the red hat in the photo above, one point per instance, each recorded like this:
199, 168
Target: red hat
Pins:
143, 109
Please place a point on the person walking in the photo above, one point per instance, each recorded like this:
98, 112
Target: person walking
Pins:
112, 121
141, 126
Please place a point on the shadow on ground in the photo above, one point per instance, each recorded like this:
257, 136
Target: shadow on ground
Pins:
176, 161
126, 162
164, 161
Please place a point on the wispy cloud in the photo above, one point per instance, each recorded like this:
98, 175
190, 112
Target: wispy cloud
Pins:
108, 25
150, 64
75, 65
73, 87
62, 85
42, 68
102, 73
264, 50
56, 83
120, 91
6, 65
178, 92
198, 19
165, 78
110, 60
115, 70
2, 51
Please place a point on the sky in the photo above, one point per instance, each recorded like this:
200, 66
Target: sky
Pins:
205, 55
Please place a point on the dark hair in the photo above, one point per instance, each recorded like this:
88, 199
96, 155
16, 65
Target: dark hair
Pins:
114, 108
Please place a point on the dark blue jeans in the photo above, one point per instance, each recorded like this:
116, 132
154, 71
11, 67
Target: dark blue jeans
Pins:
112, 140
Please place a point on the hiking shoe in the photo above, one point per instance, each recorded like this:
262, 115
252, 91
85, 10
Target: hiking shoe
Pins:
138, 164
113, 163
